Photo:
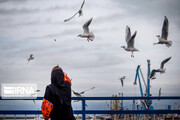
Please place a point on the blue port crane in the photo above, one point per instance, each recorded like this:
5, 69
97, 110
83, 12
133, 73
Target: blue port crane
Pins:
147, 85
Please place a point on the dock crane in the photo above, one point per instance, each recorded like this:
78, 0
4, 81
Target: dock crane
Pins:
147, 86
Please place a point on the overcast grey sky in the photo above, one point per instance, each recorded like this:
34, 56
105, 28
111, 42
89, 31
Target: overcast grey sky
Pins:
30, 27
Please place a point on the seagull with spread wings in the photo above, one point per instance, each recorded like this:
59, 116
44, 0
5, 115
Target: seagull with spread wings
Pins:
30, 58
35, 92
79, 11
122, 80
143, 103
161, 69
87, 34
80, 93
164, 35
130, 41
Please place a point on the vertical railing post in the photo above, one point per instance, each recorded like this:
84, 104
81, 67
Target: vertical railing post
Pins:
148, 84
122, 103
83, 109
154, 116
164, 116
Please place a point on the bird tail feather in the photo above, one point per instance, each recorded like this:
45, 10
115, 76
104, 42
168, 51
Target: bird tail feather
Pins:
92, 36
170, 43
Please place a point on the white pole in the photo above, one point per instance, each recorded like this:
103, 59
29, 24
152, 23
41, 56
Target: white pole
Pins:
164, 116
173, 116
125, 117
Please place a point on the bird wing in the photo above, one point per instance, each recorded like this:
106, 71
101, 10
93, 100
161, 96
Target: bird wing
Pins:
37, 91
86, 25
153, 73
164, 61
86, 90
122, 82
31, 57
128, 34
82, 4
76, 93
82, 92
164, 33
143, 104
159, 92
66, 20
123, 77
131, 41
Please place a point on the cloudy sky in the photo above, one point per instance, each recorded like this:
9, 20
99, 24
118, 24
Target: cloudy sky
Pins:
30, 27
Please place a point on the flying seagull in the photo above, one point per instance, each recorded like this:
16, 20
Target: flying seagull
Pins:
30, 58
161, 69
77, 95
159, 93
79, 11
108, 105
87, 34
130, 41
80, 93
143, 103
122, 78
35, 92
164, 35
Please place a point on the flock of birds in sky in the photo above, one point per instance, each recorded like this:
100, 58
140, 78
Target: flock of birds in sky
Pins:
130, 40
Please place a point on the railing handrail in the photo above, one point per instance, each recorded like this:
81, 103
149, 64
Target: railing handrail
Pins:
97, 112
84, 111
106, 98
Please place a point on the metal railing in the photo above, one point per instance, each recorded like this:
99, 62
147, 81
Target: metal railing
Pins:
84, 111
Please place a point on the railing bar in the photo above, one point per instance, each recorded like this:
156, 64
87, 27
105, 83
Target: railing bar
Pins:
101, 112
109, 98
83, 110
